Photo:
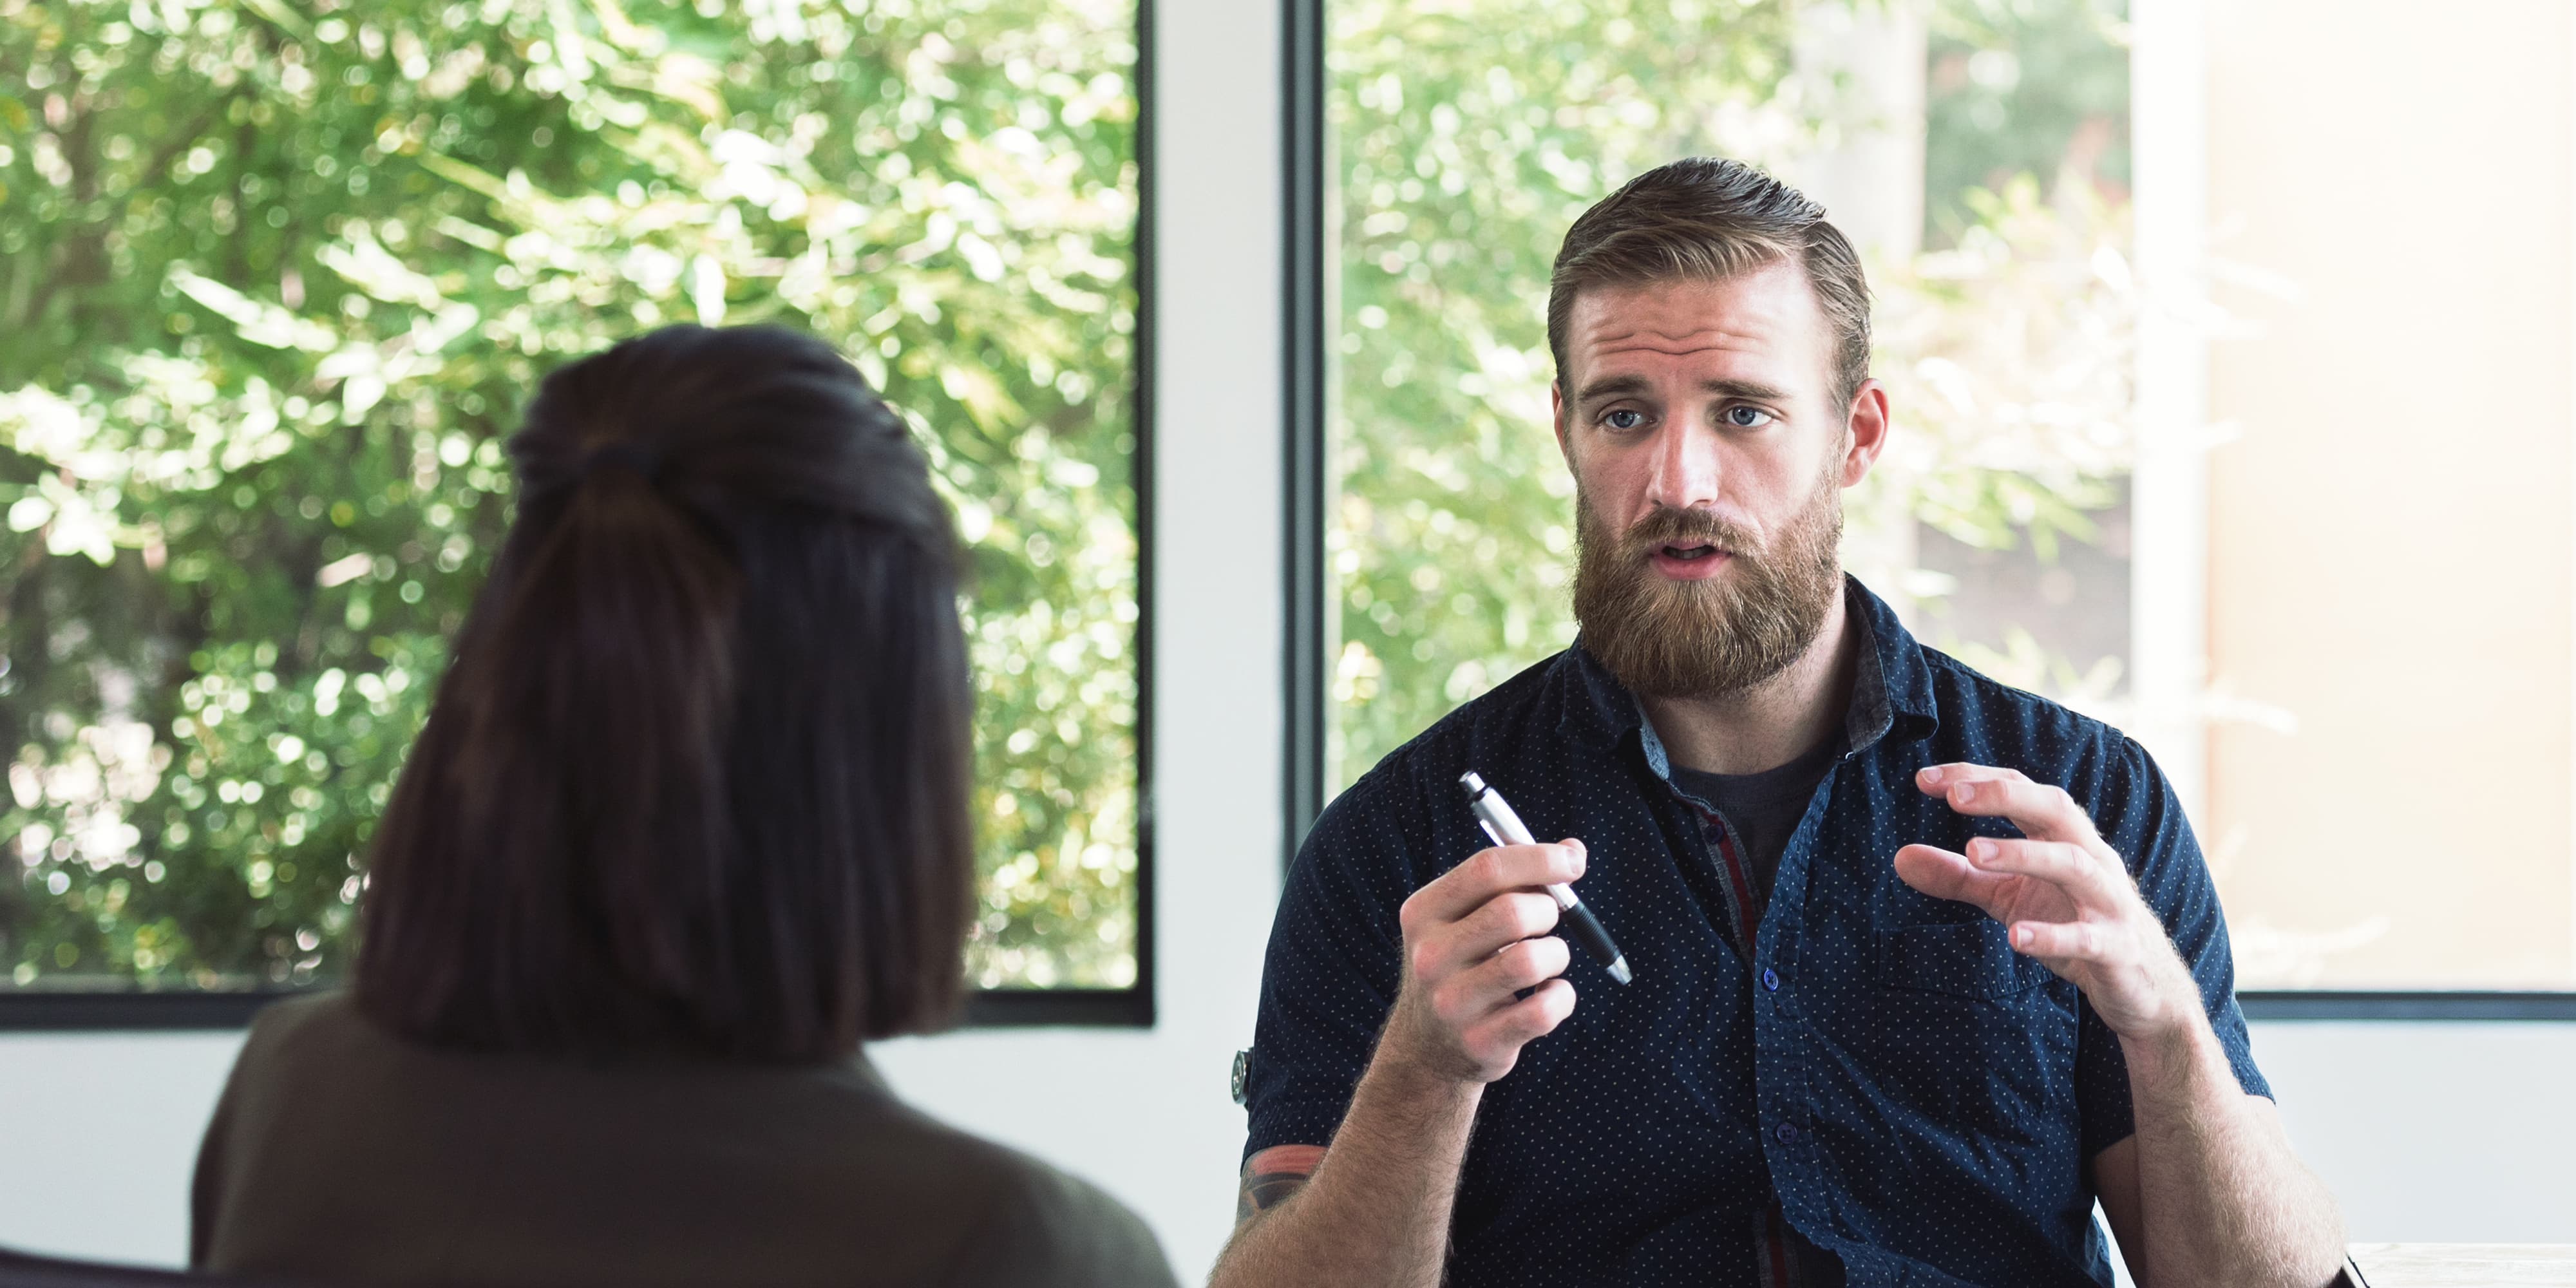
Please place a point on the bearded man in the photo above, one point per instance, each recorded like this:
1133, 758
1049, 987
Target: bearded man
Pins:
1924, 965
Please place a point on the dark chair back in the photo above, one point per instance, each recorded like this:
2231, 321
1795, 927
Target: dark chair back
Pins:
20, 1270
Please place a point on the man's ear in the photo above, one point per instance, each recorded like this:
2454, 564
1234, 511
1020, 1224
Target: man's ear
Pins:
1556, 412
1865, 429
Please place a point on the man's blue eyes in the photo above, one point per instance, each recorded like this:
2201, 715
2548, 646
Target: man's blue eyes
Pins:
1739, 417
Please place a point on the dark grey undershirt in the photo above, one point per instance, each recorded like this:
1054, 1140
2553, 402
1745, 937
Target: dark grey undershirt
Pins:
1762, 809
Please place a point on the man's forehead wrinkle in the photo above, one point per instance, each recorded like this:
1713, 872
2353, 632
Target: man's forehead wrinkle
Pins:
1626, 330
1654, 344
1738, 330
1673, 350
1682, 312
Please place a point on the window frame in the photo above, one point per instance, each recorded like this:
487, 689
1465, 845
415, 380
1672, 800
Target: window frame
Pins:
1132, 1007
1306, 259
2168, 34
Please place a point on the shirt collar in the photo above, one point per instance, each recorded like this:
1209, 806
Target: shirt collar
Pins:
1891, 690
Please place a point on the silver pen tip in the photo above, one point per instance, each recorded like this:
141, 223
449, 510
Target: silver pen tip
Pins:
1620, 972
1472, 781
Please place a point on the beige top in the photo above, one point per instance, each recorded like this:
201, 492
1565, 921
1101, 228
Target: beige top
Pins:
342, 1154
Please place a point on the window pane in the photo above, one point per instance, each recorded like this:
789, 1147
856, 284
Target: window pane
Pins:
1981, 155
274, 289
2389, 581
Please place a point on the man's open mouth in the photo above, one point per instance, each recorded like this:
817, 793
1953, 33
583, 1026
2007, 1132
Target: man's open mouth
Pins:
1689, 553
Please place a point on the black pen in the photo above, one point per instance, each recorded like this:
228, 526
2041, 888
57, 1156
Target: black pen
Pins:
1495, 815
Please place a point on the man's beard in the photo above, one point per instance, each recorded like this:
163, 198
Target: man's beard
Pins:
1714, 638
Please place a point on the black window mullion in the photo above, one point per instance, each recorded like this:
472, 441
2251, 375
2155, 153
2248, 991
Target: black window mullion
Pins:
1306, 332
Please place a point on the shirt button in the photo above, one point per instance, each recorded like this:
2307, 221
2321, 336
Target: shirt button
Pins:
1788, 1135
1771, 979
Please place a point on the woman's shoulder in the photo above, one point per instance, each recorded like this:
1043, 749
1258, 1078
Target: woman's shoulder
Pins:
318, 1077
1012, 1219
1043, 1225
326, 1016
299, 1037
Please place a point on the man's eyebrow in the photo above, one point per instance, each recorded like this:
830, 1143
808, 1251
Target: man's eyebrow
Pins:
1611, 387
1748, 390
1629, 386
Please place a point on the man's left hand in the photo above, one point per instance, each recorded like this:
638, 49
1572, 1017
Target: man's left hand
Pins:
2062, 893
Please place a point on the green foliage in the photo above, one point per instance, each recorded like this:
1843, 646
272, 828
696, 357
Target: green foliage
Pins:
2010, 356
274, 279
2022, 87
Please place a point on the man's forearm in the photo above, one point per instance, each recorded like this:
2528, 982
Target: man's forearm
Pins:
1377, 1211
2223, 1198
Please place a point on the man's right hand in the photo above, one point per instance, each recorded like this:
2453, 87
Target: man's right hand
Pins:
1473, 939
1376, 1209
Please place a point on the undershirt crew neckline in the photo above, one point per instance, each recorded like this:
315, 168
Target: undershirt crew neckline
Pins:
1762, 809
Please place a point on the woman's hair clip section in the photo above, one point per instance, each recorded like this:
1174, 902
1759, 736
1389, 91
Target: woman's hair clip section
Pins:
644, 462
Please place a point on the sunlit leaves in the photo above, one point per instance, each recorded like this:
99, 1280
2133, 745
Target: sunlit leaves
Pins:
276, 279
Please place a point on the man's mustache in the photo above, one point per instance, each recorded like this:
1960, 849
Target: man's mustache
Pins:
1665, 526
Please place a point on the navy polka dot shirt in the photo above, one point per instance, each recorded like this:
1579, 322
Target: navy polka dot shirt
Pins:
1881, 1073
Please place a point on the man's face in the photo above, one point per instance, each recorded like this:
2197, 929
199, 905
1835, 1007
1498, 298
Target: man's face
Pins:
1709, 455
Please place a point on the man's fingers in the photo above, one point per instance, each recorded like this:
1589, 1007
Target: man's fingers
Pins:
1467, 992
1944, 874
1505, 919
1474, 938
2061, 940
1523, 965
1933, 779
1486, 873
2071, 868
1531, 1017
1468, 997
2038, 809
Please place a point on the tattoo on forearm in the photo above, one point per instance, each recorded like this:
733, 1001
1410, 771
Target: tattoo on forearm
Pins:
1270, 1176
1264, 1192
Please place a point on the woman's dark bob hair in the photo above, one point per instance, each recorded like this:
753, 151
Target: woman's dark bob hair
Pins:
696, 780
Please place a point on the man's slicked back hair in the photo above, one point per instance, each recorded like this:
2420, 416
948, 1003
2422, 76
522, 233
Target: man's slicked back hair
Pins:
1705, 219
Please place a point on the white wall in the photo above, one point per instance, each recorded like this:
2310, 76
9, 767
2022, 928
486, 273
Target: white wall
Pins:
2448, 1133
97, 1135
2434, 1133
2427, 1131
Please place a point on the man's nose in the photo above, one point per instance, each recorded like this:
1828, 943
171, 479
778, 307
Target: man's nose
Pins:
1686, 467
